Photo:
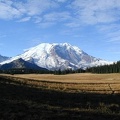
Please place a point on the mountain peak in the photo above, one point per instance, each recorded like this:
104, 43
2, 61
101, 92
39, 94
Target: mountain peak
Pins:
66, 44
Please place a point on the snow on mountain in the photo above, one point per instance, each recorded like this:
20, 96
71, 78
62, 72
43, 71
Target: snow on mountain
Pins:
3, 58
59, 56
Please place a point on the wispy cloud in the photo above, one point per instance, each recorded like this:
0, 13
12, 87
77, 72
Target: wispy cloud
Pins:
37, 11
84, 11
53, 18
104, 14
111, 32
115, 39
46, 24
24, 19
35, 7
37, 19
57, 16
97, 11
12, 9
62, 1
7, 11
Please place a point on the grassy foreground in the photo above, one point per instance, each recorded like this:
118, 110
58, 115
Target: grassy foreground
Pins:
27, 99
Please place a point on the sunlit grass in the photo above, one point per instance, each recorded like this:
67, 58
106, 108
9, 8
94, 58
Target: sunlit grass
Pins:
103, 83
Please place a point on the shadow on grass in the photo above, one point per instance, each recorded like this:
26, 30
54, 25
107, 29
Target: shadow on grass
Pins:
21, 102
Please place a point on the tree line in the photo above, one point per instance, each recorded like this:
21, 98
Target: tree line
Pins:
23, 71
30, 71
113, 68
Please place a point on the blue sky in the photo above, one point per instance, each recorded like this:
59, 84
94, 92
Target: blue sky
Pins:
92, 25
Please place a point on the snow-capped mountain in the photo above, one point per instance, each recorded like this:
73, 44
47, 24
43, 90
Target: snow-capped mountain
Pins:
58, 56
3, 58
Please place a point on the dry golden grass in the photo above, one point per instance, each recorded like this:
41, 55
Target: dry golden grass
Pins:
95, 83
73, 78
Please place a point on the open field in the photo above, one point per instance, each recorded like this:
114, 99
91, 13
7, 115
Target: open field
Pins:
84, 82
74, 78
63, 97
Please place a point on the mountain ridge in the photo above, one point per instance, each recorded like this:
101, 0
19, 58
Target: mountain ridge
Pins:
3, 58
20, 64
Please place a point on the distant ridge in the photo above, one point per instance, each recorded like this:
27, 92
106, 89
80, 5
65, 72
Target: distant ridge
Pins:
59, 56
3, 58
20, 63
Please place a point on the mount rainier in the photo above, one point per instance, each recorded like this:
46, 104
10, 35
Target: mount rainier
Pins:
58, 56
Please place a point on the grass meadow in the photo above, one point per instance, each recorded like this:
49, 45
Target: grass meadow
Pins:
60, 97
